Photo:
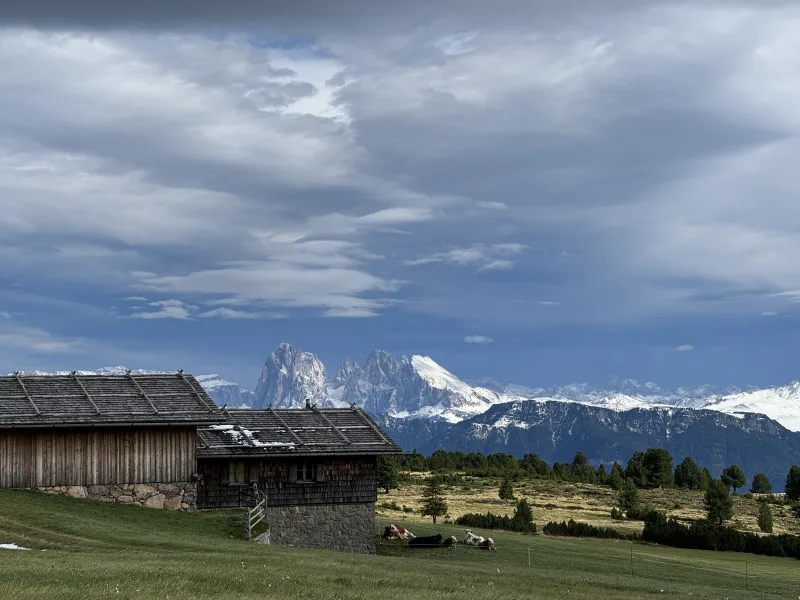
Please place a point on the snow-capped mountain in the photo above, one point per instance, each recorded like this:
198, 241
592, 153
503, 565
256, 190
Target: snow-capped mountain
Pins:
224, 392
405, 388
289, 377
556, 431
418, 387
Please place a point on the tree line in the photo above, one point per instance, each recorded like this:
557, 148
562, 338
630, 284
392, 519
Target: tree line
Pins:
652, 468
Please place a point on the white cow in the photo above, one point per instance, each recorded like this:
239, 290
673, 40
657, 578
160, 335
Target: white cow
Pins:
473, 540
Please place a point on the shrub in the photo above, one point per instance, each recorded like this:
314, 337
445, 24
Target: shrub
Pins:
708, 535
393, 505
573, 529
492, 521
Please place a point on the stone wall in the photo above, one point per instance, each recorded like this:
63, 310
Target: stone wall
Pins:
168, 496
342, 527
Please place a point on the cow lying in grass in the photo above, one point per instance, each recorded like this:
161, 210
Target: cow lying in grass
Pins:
433, 541
429, 541
470, 539
397, 532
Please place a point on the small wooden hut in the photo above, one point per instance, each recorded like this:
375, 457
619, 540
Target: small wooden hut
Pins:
121, 438
317, 468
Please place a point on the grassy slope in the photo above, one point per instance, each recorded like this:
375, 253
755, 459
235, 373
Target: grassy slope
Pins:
560, 501
94, 550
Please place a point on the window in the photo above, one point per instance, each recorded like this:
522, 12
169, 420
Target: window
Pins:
236, 472
305, 471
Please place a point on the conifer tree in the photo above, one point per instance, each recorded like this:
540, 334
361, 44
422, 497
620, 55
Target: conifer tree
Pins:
793, 483
433, 503
760, 484
387, 473
506, 490
733, 477
765, 518
718, 502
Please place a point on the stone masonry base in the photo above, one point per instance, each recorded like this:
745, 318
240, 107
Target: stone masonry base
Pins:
342, 527
169, 496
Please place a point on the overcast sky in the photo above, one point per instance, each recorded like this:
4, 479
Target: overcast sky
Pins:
537, 192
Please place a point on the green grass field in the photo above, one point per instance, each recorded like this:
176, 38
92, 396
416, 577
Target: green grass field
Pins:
88, 550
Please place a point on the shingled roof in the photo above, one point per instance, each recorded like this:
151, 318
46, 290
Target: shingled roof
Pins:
294, 432
120, 400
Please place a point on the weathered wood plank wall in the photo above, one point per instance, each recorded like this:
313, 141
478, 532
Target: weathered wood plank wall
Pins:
345, 480
89, 456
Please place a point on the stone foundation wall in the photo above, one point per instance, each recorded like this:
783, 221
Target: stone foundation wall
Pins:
168, 496
342, 527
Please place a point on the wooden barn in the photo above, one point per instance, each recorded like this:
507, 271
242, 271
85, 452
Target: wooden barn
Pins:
316, 469
118, 438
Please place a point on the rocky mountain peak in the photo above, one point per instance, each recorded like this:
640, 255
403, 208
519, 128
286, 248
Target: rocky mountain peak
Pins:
289, 376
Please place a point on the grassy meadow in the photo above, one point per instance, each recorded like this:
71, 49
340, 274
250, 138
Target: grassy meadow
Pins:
553, 500
89, 550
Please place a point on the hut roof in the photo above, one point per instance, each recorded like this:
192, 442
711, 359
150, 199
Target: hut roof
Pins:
294, 432
91, 400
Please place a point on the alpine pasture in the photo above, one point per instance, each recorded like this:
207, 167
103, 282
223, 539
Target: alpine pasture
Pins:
90, 550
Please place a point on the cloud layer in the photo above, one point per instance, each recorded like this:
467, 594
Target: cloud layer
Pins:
529, 167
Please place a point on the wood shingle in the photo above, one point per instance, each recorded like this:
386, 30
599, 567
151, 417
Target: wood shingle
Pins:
294, 432
90, 400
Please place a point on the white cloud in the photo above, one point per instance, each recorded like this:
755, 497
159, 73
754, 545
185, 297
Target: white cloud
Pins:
478, 339
34, 340
4, 314
549, 303
683, 348
482, 255
769, 313
230, 313
167, 309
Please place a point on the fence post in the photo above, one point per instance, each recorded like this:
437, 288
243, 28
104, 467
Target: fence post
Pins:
745, 575
631, 559
529, 557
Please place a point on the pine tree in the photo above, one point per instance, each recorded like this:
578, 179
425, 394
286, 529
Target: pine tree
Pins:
658, 467
628, 497
602, 474
765, 518
688, 475
523, 516
760, 484
433, 503
793, 483
617, 477
387, 473
718, 502
733, 477
506, 490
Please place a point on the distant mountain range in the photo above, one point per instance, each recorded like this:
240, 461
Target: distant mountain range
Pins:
424, 406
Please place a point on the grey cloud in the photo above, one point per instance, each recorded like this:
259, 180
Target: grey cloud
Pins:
335, 16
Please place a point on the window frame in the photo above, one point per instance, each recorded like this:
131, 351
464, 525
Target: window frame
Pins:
306, 472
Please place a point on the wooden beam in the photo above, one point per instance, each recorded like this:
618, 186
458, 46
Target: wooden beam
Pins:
141, 391
25, 390
289, 429
369, 422
74, 375
332, 426
194, 391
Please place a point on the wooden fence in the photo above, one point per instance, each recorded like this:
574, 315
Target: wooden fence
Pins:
256, 514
